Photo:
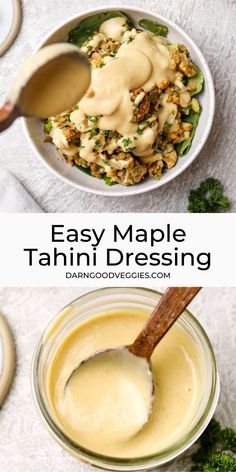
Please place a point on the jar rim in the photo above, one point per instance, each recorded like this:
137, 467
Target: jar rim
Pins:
132, 463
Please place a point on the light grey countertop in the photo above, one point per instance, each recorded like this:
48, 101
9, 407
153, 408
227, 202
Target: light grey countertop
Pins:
26, 445
212, 26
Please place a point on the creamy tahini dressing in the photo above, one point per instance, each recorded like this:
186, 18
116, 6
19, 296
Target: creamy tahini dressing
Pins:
109, 394
113, 28
143, 62
93, 410
51, 81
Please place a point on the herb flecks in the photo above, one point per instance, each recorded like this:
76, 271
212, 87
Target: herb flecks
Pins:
130, 39
139, 131
126, 142
94, 132
94, 119
97, 143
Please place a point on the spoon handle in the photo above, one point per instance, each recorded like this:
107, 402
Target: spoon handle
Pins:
8, 114
171, 305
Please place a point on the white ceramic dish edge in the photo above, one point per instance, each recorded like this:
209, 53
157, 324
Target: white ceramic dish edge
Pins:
13, 29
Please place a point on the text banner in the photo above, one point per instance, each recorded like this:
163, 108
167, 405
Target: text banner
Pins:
117, 249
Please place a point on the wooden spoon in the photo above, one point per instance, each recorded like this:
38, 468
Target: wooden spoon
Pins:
8, 113
169, 308
49, 82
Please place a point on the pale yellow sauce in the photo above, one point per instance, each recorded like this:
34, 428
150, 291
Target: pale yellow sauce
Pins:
51, 81
90, 409
144, 62
110, 394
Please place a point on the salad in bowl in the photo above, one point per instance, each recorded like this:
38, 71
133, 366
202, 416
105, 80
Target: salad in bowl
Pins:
146, 114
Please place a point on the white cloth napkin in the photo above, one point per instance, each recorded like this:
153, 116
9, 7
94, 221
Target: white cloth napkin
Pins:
13, 197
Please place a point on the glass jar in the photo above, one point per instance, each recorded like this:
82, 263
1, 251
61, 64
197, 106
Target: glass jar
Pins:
102, 301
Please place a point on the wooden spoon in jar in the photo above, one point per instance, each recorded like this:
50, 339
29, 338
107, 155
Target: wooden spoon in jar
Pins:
133, 361
50, 82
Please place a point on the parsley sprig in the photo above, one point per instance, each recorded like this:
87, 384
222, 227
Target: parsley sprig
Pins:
217, 449
208, 198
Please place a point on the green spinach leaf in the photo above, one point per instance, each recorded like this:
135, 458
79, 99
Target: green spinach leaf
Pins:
154, 27
193, 118
108, 181
85, 170
91, 24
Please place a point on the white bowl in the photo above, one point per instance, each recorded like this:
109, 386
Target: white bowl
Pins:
48, 152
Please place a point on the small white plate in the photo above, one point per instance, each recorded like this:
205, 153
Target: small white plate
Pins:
7, 358
10, 19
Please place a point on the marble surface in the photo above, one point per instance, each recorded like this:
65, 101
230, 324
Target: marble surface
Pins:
212, 26
25, 442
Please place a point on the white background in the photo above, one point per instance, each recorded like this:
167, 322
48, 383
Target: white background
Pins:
211, 24
214, 233
25, 444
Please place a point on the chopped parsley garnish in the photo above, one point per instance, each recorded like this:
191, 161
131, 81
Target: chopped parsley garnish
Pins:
139, 131
126, 141
97, 143
130, 39
144, 123
94, 131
